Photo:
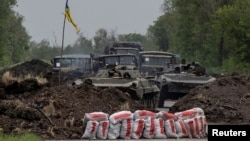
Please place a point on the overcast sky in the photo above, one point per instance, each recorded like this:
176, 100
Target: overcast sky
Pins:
43, 19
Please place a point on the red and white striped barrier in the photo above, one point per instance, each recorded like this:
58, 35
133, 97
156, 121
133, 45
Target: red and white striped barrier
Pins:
190, 123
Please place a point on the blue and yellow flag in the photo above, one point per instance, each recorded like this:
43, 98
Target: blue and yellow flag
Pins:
69, 18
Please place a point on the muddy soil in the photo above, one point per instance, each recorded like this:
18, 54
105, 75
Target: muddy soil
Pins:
55, 110
226, 100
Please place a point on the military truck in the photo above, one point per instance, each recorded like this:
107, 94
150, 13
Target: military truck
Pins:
124, 47
102, 61
116, 71
152, 62
70, 67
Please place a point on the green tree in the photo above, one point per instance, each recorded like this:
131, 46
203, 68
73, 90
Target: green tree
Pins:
232, 24
42, 50
132, 37
103, 39
163, 30
18, 39
82, 45
188, 28
146, 41
160, 31
13, 36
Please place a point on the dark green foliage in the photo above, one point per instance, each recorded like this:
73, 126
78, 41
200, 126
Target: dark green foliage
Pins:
13, 36
214, 32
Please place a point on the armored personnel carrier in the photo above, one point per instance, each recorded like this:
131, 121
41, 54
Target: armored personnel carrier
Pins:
176, 84
121, 74
129, 80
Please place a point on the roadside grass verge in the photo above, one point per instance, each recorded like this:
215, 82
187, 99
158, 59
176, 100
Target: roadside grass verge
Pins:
21, 137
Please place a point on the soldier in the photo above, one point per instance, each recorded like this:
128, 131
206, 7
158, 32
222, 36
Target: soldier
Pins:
198, 69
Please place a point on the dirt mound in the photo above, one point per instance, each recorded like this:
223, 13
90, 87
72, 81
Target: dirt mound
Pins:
48, 111
34, 67
227, 100
56, 111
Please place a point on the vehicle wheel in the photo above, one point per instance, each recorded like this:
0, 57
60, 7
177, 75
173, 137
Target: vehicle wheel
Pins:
156, 100
162, 97
150, 100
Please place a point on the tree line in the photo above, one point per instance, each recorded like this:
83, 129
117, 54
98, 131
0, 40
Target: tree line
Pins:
215, 33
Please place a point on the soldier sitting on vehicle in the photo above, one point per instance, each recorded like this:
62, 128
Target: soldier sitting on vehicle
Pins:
198, 69
126, 75
114, 73
187, 68
177, 70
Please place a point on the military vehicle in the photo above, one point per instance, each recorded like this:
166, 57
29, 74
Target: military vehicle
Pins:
70, 67
117, 71
102, 61
152, 62
177, 83
124, 47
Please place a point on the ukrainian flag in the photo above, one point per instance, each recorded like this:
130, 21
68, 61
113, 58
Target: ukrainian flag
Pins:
69, 18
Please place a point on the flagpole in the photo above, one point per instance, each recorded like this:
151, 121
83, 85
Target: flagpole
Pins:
62, 48
68, 16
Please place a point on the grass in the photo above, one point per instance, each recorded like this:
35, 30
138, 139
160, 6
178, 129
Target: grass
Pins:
21, 137
7, 77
